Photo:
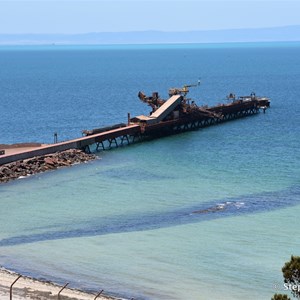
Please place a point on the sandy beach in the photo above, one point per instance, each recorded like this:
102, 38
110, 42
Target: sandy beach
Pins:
30, 288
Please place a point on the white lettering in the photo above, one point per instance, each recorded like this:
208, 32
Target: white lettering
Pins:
294, 287
291, 287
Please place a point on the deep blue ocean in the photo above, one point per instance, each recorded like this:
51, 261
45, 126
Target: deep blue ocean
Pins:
125, 223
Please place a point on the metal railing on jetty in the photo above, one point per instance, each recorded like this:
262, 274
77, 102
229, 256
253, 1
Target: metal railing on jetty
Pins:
173, 116
198, 120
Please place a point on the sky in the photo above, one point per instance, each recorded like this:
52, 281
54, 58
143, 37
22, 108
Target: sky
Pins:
77, 16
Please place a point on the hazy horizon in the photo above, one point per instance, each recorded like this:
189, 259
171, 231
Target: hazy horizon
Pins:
78, 17
267, 34
148, 21
148, 30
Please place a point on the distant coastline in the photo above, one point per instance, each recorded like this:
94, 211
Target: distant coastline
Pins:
154, 46
274, 34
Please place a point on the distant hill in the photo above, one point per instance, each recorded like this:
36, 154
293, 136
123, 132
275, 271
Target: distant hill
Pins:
287, 33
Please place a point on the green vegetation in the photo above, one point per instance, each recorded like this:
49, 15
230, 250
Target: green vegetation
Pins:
291, 275
280, 297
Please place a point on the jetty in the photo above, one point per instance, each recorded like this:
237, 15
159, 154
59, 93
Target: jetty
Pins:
172, 116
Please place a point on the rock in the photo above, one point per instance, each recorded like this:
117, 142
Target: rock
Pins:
7, 171
43, 163
49, 161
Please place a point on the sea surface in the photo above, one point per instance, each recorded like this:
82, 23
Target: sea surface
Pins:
129, 222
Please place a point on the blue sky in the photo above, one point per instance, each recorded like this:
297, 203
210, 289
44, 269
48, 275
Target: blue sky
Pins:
74, 16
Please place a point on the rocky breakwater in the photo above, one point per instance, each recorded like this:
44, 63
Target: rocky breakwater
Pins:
43, 163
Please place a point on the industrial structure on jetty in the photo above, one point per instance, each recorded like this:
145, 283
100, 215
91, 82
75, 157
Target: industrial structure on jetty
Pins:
175, 115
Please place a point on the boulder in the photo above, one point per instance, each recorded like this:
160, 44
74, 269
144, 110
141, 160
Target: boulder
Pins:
43, 163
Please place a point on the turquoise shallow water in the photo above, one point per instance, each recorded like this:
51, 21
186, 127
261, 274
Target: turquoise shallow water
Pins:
126, 222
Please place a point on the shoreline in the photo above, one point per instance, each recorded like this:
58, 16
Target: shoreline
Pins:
26, 286
43, 163
35, 289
